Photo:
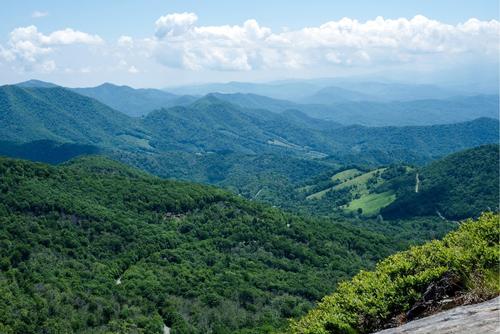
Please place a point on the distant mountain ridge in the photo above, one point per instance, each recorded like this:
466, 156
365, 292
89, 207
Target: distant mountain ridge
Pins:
133, 102
211, 124
36, 84
349, 103
329, 90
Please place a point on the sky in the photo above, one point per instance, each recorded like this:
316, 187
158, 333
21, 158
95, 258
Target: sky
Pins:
169, 43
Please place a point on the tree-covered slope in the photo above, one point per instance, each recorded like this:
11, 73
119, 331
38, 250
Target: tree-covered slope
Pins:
93, 246
28, 114
460, 185
46, 150
210, 124
217, 142
133, 102
415, 144
463, 267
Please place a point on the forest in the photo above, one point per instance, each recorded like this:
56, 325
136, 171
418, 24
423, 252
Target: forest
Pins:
94, 246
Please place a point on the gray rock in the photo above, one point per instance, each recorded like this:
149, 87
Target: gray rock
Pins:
482, 318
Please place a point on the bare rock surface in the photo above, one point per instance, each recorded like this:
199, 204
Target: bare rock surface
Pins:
482, 318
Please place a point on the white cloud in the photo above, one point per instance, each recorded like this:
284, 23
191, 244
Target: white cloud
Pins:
29, 47
37, 14
181, 43
174, 24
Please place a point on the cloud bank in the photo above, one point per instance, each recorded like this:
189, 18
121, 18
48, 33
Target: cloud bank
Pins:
179, 42
347, 42
30, 48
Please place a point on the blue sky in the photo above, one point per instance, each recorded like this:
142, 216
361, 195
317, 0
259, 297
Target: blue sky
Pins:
212, 42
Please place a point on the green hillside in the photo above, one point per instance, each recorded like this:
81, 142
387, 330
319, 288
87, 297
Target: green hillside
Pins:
211, 124
466, 259
460, 185
129, 252
46, 150
353, 190
133, 102
28, 114
413, 144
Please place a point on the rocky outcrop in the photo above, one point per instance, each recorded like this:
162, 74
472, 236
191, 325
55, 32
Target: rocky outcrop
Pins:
482, 318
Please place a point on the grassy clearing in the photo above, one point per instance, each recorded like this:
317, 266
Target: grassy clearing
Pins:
359, 182
350, 178
371, 203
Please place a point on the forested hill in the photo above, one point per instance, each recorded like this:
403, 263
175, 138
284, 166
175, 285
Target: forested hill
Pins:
29, 114
94, 246
460, 185
133, 102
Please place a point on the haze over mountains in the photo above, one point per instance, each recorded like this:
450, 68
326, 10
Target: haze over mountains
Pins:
363, 103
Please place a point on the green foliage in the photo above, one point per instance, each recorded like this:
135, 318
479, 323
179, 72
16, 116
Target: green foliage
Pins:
370, 299
29, 114
193, 257
458, 186
46, 150
133, 102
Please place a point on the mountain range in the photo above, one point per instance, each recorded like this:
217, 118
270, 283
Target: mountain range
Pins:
211, 134
408, 104
297, 197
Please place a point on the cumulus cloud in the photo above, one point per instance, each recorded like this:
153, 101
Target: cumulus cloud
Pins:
37, 14
179, 42
174, 24
30, 47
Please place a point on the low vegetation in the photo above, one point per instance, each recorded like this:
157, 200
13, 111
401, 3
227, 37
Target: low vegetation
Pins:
372, 299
